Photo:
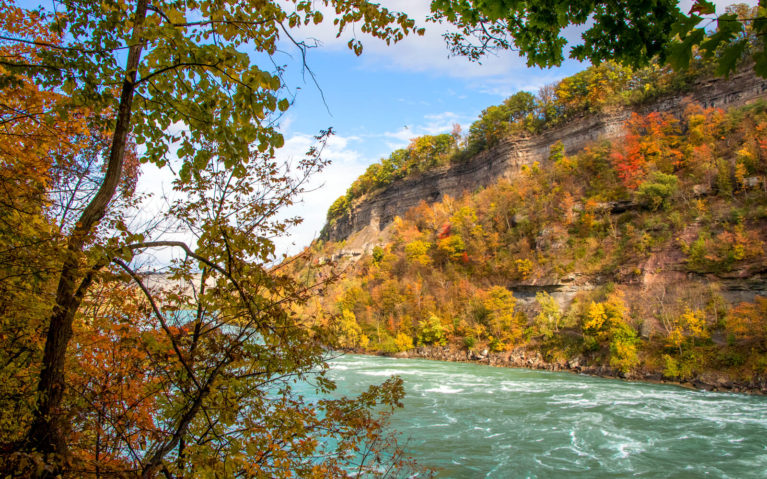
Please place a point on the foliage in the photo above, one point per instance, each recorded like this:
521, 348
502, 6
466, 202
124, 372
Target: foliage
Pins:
747, 323
418, 252
593, 90
637, 211
350, 334
517, 112
603, 317
623, 348
338, 208
453, 248
630, 32
658, 189
722, 252
378, 254
404, 342
431, 331
548, 319
423, 153
105, 371
651, 140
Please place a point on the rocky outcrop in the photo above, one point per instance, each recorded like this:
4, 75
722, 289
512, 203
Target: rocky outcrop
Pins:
531, 359
377, 209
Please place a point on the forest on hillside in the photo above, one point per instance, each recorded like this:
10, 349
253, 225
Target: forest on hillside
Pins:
650, 224
117, 363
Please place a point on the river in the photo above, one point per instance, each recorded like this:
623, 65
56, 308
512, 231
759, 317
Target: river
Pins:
472, 421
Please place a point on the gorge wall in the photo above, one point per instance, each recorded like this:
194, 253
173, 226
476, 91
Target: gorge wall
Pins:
377, 209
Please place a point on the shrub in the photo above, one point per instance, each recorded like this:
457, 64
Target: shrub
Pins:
378, 254
658, 189
403, 342
548, 319
432, 331
623, 348
417, 252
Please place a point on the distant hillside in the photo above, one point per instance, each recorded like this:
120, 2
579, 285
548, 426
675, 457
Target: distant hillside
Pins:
497, 148
626, 242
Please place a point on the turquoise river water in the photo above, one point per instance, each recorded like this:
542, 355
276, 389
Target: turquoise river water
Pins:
472, 421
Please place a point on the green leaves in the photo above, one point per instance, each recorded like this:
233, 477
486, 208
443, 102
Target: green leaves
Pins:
703, 7
679, 54
630, 32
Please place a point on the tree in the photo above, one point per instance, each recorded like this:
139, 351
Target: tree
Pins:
628, 31
495, 122
178, 80
550, 316
431, 331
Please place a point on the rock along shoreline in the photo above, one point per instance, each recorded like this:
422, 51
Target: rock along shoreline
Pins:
523, 358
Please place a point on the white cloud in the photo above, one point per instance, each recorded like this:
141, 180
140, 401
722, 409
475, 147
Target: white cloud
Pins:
346, 165
427, 53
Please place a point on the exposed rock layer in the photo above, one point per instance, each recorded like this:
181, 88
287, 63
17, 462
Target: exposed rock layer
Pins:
532, 359
378, 209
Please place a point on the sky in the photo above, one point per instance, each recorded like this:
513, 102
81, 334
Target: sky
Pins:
378, 101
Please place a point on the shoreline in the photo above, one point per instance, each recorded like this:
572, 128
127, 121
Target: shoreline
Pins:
522, 358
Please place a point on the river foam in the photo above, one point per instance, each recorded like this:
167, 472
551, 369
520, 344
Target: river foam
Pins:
469, 421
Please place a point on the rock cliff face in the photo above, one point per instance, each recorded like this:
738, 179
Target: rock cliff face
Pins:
376, 210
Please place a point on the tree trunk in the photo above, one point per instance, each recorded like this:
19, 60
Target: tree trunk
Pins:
48, 431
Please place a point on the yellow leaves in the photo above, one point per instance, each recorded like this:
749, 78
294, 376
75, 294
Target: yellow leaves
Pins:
741, 173
417, 252
174, 15
595, 318
687, 328
431, 331
349, 332
675, 338
623, 348
453, 247
605, 315
524, 267
404, 342
694, 323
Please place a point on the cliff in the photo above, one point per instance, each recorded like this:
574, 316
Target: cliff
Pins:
377, 209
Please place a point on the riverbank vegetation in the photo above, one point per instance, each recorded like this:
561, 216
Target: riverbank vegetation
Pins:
105, 371
620, 255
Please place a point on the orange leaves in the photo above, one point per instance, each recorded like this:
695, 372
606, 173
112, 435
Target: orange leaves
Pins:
112, 379
748, 321
663, 142
650, 140
25, 25
444, 231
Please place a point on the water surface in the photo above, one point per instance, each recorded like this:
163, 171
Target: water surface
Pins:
472, 421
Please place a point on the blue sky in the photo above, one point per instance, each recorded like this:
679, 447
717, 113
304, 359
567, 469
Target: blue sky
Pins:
379, 101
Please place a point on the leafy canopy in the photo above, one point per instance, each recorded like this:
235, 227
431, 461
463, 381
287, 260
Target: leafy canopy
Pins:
629, 31
107, 371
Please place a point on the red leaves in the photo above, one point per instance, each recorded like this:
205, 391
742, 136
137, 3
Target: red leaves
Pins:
651, 139
444, 231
